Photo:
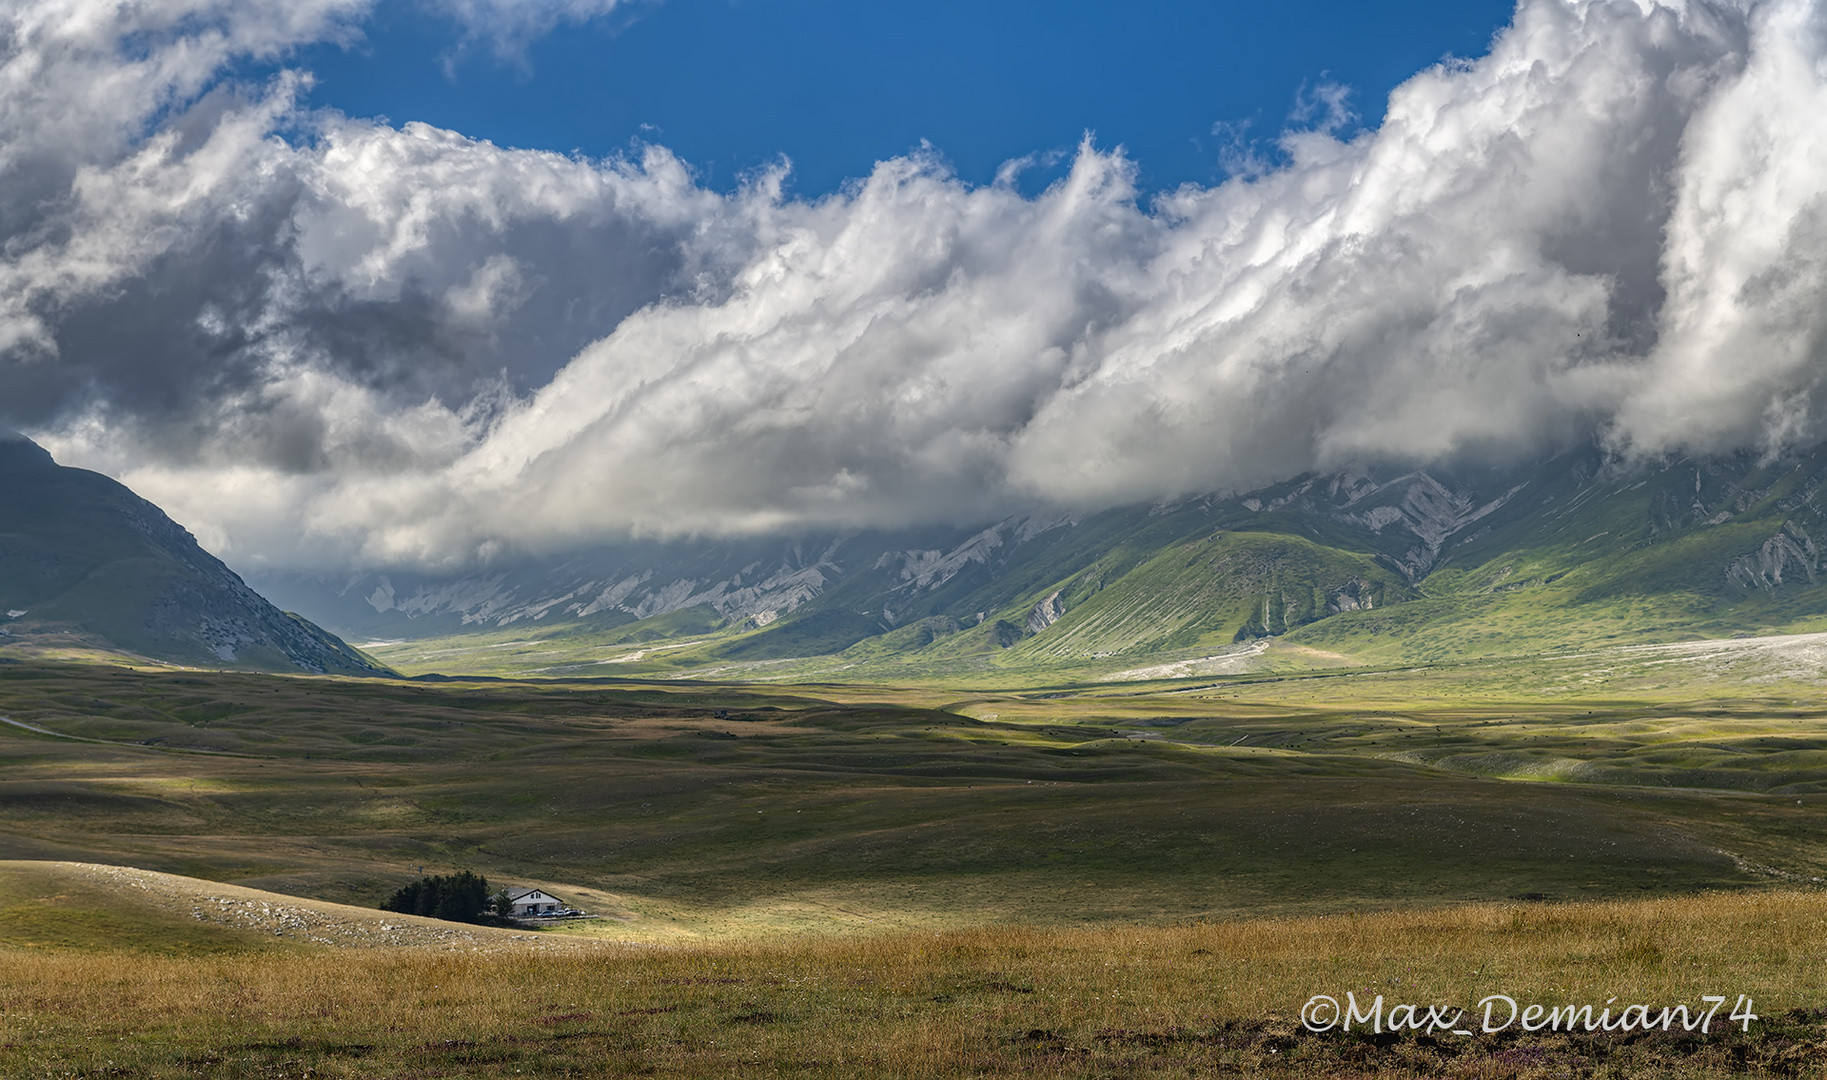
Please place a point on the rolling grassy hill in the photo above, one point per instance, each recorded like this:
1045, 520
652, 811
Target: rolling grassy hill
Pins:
1179, 1002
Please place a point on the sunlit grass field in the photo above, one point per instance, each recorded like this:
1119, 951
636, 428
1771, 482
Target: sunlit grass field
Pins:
1199, 1000
1128, 879
690, 811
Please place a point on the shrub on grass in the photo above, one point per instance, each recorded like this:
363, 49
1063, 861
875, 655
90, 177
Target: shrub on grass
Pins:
458, 897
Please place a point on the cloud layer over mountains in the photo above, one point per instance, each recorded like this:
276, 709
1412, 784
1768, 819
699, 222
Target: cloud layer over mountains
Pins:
323, 340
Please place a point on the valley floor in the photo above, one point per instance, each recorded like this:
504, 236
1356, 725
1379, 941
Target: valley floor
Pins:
1105, 879
1199, 1000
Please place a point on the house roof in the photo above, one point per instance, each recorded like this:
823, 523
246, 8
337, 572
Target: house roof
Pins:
521, 894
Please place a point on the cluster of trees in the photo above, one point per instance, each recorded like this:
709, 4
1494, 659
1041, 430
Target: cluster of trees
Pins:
459, 897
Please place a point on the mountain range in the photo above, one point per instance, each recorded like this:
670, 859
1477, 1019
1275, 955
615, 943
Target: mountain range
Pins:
1360, 566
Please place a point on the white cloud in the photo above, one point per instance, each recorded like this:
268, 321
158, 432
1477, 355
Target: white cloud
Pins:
506, 27
1743, 348
407, 346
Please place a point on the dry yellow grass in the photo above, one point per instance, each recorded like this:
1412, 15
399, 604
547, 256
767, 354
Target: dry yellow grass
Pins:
89, 905
1159, 1001
1011, 867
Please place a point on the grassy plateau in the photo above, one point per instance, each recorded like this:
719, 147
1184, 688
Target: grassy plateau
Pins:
1078, 879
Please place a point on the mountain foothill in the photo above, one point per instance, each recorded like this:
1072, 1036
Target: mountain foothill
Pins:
1361, 566
87, 567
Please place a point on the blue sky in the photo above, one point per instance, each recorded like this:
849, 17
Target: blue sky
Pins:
836, 85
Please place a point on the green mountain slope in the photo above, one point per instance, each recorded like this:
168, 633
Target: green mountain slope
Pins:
1419, 567
1590, 556
85, 562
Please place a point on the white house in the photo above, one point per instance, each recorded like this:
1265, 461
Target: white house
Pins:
524, 902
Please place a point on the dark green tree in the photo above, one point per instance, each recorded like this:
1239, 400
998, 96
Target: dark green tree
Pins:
459, 897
